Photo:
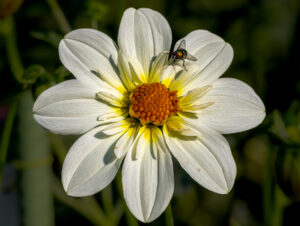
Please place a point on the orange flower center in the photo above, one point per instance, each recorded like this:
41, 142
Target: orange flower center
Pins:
153, 103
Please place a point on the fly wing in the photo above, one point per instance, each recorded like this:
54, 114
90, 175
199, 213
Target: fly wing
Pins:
191, 57
181, 44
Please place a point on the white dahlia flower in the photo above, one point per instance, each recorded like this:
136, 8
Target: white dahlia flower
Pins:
132, 106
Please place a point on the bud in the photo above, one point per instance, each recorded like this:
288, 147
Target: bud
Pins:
8, 7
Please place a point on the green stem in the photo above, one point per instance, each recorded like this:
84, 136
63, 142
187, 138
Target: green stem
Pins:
131, 221
277, 211
169, 216
281, 201
59, 16
118, 212
35, 157
274, 201
107, 200
6, 136
268, 192
113, 213
14, 59
17, 70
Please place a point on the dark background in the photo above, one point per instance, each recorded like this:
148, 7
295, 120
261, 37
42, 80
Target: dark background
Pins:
265, 36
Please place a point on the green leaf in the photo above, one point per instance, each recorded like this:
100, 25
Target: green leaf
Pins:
278, 128
32, 73
61, 73
51, 37
38, 89
281, 131
96, 10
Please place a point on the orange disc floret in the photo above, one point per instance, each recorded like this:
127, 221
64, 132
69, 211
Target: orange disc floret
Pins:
153, 103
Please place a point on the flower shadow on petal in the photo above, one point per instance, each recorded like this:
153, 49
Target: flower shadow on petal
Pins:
113, 64
109, 156
177, 135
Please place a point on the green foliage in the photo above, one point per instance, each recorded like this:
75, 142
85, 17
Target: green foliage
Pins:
50, 37
287, 129
35, 159
97, 10
288, 172
279, 130
264, 35
8, 7
32, 73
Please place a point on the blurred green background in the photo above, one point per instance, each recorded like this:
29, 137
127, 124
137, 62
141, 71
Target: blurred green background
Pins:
265, 36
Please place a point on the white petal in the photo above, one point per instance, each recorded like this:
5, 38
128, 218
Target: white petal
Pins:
109, 98
194, 95
183, 78
131, 71
126, 142
148, 182
88, 53
204, 45
90, 165
167, 76
67, 90
158, 66
143, 34
214, 69
218, 146
125, 72
69, 108
213, 53
111, 116
143, 142
236, 107
114, 128
199, 160
178, 125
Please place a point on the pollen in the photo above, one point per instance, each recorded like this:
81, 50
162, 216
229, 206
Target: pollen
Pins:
153, 103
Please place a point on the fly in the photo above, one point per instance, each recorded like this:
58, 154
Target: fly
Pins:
181, 54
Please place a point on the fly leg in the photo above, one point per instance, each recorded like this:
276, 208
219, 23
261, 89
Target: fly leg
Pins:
183, 64
171, 61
